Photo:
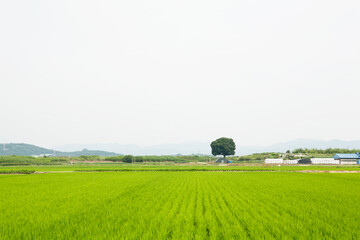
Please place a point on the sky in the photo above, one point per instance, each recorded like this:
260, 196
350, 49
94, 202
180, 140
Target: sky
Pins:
153, 72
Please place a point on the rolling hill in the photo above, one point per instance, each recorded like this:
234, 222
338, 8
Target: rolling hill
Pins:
22, 149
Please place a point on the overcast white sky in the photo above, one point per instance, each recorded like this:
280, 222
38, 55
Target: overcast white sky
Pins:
150, 72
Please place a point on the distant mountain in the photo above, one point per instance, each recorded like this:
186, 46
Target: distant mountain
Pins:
22, 149
86, 152
189, 148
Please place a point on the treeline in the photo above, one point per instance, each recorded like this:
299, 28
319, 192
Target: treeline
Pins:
258, 156
325, 151
14, 160
19, 171
175, 159
27, 160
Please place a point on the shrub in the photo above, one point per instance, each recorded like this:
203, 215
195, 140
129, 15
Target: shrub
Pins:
90, 157
115, 159
304, 161
128, 158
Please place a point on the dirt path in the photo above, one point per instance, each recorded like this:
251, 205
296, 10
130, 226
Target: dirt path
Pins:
54, 172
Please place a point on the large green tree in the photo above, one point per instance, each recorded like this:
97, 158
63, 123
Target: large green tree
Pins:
223, 146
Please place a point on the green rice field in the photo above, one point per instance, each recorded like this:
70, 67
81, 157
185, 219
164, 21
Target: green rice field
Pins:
179, 167
180, 205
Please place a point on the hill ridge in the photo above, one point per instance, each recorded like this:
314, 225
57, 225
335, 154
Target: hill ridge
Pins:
24, 149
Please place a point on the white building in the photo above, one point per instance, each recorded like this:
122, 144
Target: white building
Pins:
274, 160
294, 161
43, 155
325, 161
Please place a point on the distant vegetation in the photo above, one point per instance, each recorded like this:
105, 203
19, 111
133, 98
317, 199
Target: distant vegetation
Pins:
258, 157
325, 151
175, 159
93, 156
320, 153
16, 171
28, 160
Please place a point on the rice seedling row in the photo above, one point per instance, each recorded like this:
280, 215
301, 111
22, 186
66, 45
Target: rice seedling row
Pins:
180, 205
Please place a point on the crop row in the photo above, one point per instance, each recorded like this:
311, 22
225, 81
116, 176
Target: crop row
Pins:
180, 205
16, 171
173, 169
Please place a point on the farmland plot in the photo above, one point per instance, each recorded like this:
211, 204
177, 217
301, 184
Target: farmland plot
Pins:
180, 205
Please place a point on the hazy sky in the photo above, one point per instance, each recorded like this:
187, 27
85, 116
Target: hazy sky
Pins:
150, 72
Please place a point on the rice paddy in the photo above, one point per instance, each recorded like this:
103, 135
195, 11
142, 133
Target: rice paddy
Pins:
180, 205
178, 167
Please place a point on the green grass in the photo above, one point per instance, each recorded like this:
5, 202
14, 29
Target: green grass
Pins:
16, 171
180, 205
178, 167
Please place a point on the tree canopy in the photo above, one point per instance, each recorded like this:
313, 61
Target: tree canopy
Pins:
223, 146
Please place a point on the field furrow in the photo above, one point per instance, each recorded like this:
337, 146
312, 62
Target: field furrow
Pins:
180, 205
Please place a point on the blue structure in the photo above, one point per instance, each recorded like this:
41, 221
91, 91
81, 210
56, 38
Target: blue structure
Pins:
355, 156
348, 157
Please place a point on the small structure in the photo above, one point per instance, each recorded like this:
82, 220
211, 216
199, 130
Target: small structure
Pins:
43, 155
293, 161
222, 160
325, 161
352, 158
274, 160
